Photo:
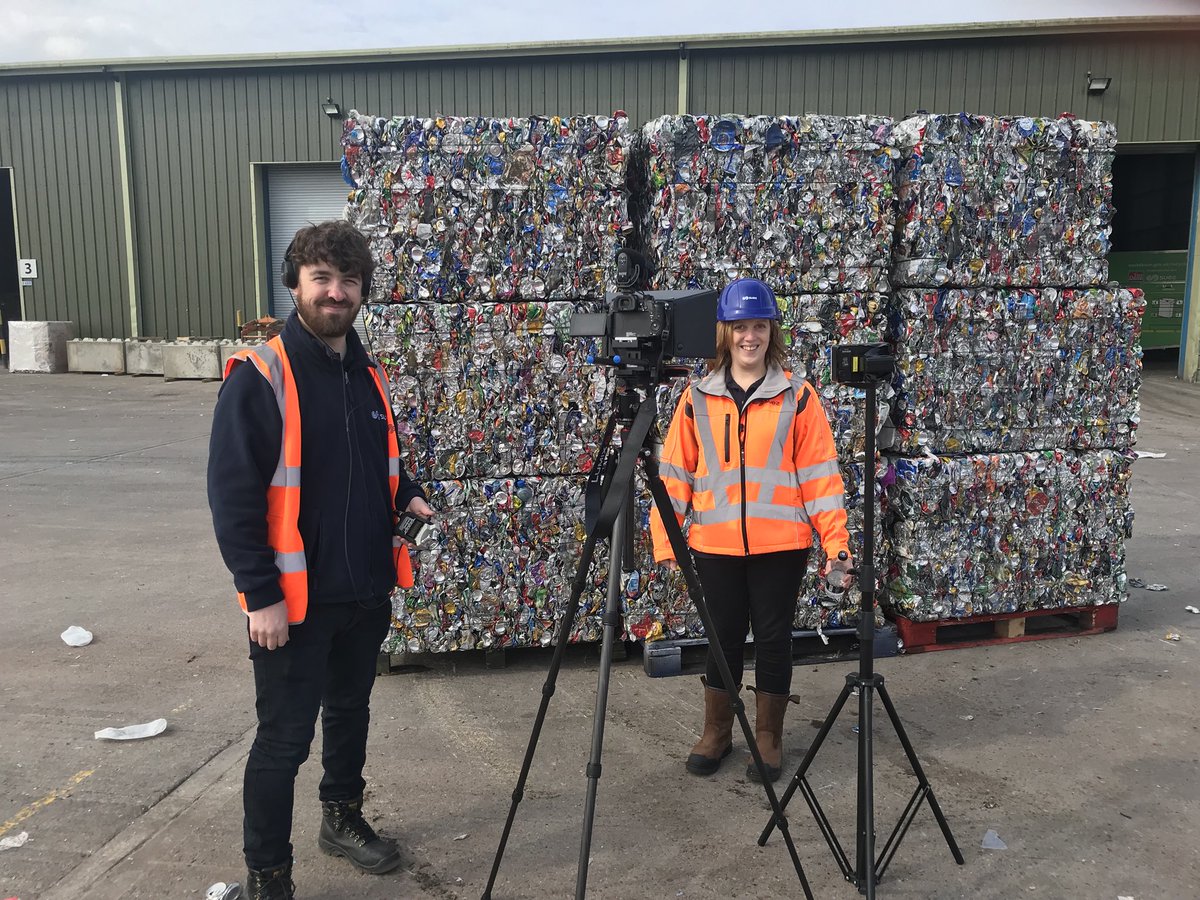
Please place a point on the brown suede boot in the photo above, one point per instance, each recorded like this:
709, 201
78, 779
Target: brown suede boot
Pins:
716, 742
768, 732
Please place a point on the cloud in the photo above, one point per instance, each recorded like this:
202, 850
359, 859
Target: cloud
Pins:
110, 29
69, 30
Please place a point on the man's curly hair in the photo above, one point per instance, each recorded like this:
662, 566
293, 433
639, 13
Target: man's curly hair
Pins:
338, 244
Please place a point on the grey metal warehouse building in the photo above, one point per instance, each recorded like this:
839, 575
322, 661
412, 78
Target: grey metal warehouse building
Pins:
156, 195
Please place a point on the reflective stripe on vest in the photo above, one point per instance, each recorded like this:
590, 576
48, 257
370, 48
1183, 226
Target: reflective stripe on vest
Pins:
283, 493
404, 572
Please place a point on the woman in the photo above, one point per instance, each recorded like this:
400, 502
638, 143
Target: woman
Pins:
751, 454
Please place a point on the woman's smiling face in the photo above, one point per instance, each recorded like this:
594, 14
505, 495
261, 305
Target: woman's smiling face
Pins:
751, 338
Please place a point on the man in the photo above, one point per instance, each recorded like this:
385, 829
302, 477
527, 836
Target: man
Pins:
304, 482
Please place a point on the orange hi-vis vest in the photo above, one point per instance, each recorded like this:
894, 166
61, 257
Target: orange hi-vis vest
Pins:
758, 481
283, 494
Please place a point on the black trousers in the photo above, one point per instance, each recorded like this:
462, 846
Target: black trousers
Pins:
327, 665
756, 591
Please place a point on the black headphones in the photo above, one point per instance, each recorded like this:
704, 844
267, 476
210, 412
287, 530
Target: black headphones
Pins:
289, 274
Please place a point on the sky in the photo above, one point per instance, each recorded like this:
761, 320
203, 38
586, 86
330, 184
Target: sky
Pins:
66, 30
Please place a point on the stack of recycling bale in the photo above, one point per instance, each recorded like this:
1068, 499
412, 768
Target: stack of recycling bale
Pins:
488, 234
805, 204
1018, 370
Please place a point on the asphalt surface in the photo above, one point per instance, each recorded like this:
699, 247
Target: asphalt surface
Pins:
1082, 754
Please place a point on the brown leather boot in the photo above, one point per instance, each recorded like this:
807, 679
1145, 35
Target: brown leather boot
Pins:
768, 732
716, 742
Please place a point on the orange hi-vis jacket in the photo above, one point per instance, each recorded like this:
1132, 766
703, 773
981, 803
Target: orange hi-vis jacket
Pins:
283, 494
756, 482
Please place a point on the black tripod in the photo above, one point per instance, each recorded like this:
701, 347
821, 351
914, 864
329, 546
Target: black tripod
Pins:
636, 412
867, 870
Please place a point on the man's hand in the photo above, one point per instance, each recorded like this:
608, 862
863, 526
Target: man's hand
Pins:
671, 565
419, 507
269, 625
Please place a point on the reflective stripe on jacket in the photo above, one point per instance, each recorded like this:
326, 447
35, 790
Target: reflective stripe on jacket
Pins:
756, 482
283, 493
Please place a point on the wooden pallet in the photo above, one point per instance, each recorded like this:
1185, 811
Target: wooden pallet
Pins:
1004, 628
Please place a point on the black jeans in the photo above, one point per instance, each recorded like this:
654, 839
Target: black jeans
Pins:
328, 664
758, 591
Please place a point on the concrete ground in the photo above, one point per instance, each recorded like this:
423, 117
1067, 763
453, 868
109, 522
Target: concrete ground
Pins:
1081, 753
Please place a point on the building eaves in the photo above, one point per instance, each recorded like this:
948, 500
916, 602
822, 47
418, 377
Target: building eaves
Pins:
676, 43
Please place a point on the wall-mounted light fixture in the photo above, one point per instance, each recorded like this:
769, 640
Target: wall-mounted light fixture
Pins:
331, 109
1097, 84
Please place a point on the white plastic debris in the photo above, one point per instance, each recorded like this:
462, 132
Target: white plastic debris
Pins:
1156, 587
1193, 610
223, 891
1150, 454
76, 636
462, 837
991, 841
132, 732
12, 843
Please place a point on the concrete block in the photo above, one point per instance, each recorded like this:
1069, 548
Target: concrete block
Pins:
144, 356
228, 348
96, 355
38, 346
191, 359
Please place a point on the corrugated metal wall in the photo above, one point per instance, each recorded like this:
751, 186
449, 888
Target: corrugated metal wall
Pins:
59, 135
193, 135
1154, 94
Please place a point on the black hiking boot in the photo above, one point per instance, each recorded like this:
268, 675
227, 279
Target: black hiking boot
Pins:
344, 832
271, 884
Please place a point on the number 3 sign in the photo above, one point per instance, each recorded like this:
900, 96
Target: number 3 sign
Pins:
28, 268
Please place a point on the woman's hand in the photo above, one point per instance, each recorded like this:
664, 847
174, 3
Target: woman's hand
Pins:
843, 564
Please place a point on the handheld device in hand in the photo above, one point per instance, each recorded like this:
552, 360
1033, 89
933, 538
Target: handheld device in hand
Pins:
412, 527
834, 586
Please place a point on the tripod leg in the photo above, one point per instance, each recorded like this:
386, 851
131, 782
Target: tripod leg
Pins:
800, 782
612, 624
662, 502
866, 793
922, 780
565, 625
620, 488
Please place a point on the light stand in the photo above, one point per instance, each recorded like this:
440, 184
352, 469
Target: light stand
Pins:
865, 364
636, 412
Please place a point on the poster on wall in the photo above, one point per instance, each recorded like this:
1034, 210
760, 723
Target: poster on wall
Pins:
1162, 276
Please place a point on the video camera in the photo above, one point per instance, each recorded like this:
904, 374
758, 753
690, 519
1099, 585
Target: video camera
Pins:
862, 363
642, 329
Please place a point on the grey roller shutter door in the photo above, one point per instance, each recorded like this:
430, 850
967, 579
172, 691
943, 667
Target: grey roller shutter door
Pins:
299, 196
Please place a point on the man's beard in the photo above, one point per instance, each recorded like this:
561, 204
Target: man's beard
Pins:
324, 321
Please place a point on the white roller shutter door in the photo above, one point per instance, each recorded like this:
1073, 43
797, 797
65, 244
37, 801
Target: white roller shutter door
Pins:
298, 196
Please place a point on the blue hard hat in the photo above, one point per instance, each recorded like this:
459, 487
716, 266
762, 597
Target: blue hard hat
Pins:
746, 298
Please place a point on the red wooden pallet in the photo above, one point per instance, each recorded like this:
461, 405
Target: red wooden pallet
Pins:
1005, 628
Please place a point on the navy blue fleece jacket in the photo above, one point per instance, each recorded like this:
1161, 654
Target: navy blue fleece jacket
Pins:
345, 516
